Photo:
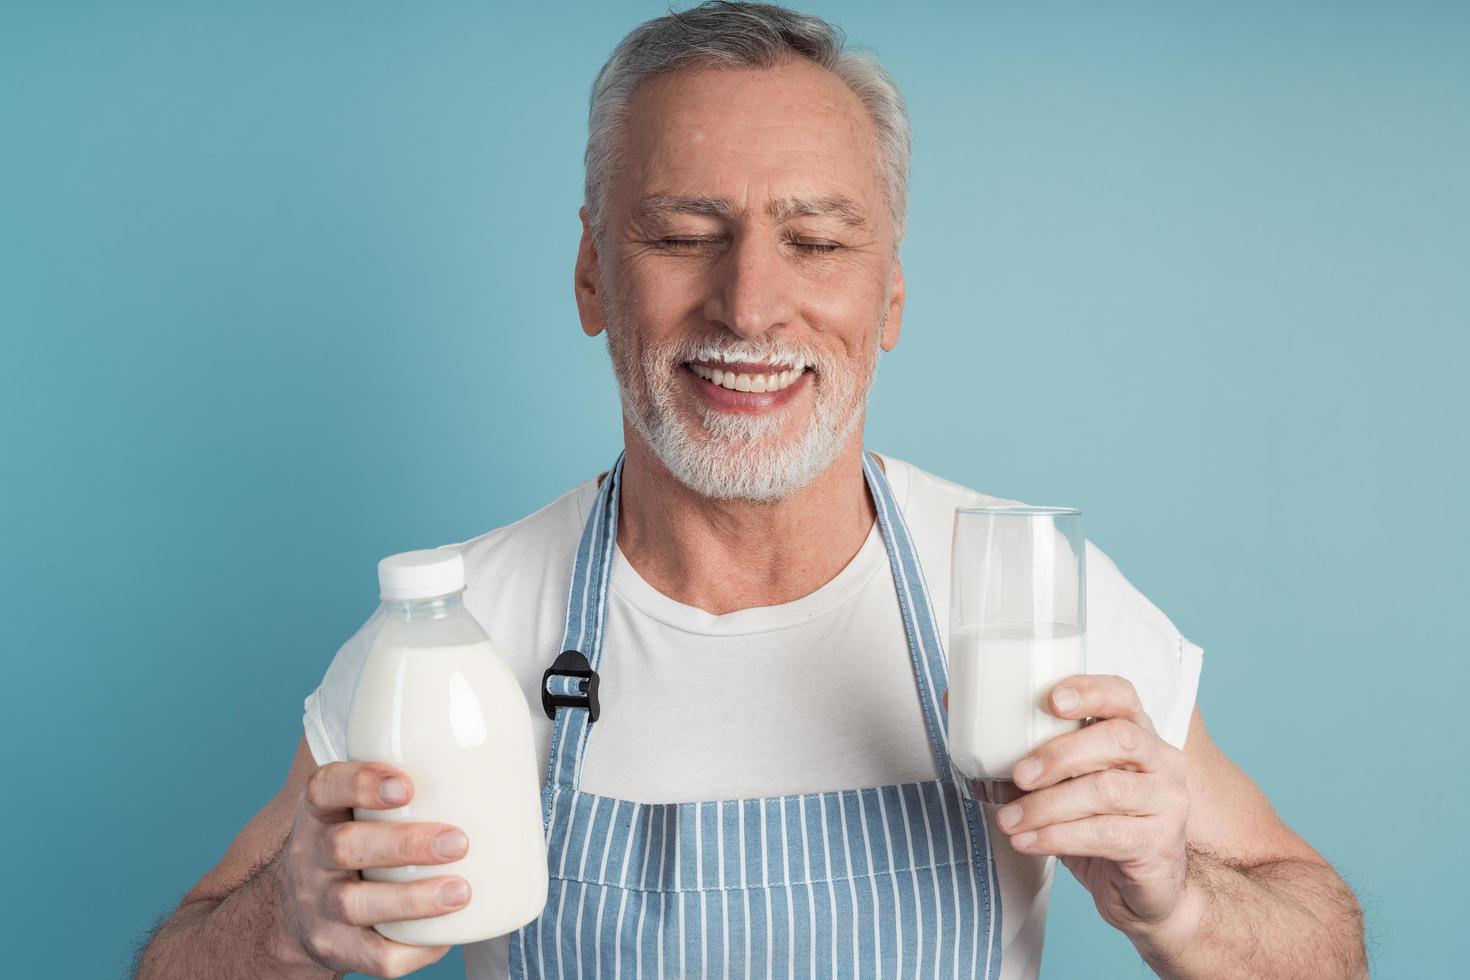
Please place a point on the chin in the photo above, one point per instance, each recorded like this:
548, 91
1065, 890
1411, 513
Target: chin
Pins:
761, 471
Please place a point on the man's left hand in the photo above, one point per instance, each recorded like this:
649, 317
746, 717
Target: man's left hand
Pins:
1110, 800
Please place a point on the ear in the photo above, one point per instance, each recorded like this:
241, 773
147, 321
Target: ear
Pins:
891, 329
587, 281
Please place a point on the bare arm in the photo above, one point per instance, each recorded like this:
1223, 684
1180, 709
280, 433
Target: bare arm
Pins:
287, 900
1258, 901
1180, 850
230, 924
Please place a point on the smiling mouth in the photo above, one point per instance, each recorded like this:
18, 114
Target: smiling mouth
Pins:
749, 376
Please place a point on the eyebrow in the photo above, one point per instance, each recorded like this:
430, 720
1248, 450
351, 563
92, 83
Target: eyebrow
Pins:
835, 205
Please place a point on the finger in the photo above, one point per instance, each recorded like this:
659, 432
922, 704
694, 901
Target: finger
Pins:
339, 786
1098, 696
1112, 744
359, 950
946, 699
1111, 791
390, 959
1110, 837
352, 845
367, 903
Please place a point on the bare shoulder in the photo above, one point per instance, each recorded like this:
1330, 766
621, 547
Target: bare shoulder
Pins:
261, 838
1228, 812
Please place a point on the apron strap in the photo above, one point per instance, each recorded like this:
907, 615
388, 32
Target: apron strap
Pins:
585, 620
569, 686
918, 612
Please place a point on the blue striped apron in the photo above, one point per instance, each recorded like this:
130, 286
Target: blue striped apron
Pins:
884, 882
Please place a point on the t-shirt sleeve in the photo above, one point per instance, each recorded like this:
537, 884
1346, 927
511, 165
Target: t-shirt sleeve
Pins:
325, 718
1128, 635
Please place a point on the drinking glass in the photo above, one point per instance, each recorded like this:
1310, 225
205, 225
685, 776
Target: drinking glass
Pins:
1018, 610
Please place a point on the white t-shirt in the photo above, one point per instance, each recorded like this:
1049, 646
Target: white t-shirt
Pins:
809, 696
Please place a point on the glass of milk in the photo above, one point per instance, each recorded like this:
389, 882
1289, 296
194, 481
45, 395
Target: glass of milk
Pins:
1018, 608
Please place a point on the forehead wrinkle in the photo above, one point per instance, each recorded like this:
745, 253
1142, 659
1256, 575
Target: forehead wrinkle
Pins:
784, 209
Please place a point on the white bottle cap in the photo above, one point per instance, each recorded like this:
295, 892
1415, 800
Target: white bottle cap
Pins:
421, 574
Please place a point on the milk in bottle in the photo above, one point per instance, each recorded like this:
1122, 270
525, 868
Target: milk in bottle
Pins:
436, 700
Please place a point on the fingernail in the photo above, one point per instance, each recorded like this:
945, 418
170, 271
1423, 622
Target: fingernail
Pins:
451, 844
392, 790
1024, 840
1027, 770
1065, 698
453, 893
1008, 816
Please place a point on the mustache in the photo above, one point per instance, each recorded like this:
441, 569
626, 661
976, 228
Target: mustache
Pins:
773, 351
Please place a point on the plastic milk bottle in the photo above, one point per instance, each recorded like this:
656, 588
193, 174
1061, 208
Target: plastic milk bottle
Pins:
436, 700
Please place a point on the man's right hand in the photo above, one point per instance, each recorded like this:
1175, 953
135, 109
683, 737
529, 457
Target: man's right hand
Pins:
330, 910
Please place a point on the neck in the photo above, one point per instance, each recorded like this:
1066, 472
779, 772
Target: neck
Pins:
725, 555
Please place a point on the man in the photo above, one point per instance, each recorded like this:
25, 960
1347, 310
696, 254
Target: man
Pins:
767, 631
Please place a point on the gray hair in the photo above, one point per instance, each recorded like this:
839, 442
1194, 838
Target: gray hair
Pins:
742, 35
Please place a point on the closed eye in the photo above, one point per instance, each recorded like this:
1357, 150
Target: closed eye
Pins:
820, 248
690, 244
686, 243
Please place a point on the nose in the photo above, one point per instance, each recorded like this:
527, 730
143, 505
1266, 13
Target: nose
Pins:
752, 288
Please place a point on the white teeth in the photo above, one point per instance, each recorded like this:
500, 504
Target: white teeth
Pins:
774, 381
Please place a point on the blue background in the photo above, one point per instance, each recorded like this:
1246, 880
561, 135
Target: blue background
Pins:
287, 287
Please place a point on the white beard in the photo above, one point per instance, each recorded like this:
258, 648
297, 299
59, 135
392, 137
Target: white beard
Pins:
737, 456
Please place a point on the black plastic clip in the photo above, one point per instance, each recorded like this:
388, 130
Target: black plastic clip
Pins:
571, 663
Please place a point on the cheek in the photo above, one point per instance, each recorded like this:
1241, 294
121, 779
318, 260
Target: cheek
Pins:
849, 300
854, 326
658, 299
